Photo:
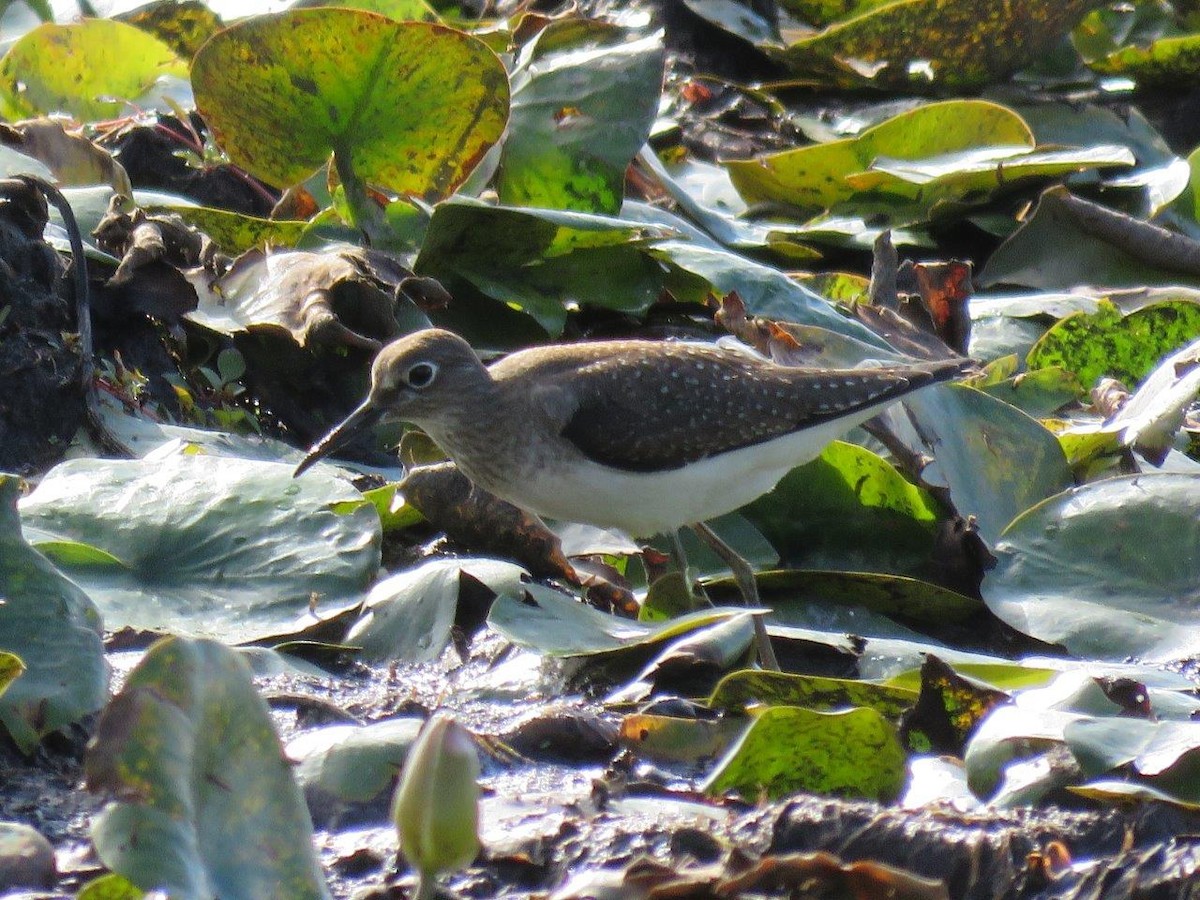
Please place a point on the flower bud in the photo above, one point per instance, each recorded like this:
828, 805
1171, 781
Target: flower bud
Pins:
436, 804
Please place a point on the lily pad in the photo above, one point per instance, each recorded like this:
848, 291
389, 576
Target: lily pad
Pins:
852, 753
1108, 343
584, 97
948, 43
1108, 570
788, 592
539, 261
1164, 63
79, 68
848, 509
814, 178
408, 615
676, 740
740, 689
699, 271
55, 629
216, 546
409, 106
1052, 250
559, 625
208, 806
351, 770
996, 460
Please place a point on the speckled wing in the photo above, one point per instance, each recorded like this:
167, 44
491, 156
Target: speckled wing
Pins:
630, 416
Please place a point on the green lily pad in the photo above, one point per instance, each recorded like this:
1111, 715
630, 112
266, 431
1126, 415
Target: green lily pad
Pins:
814, 178
208, 805
217, 546
853, 753
740, 689
974, 176
1037, 393
400, 10
90, 69
893, 595
1008, 736
1107, 343
1052, 250
1108, 570
677, 740
996, 460
947, 43
1111, 791
557, 624
236, 232
535, 259
1164, 63
350, 768
54, 628
820, 13
409, 106
699, 272
408, 615
848, 509
583, 99
110, 887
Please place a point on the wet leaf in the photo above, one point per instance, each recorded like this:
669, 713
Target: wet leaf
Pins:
90, 69
73, 159
533, 259
222, 546
350, 770
407, 616
949, 708
1163, 63
815, 178
948, 43
235, 232
848, 509
584, 97
740, 689
997, 461
559, 625
206, 804
789, 592
400, 10
1108, 570
329, 299
1053, 250
408, 106
184, 25
677, 740
1108, 343
853, 753
699, 272
55, 630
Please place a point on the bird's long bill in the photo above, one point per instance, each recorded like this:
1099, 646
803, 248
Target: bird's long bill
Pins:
355, 423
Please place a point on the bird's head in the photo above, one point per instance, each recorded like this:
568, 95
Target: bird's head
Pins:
420, 378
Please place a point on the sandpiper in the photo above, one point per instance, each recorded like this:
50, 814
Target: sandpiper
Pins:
644, 436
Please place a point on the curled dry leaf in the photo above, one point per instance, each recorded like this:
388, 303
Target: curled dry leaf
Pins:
343, 298
72, 158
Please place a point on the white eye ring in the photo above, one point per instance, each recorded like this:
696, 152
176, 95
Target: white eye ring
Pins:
421, 375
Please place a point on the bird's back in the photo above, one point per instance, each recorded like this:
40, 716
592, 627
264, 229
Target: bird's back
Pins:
646, 406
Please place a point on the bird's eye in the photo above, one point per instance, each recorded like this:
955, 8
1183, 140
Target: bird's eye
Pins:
421, 375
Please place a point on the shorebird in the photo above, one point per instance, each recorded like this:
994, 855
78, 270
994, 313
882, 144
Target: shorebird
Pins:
644, 436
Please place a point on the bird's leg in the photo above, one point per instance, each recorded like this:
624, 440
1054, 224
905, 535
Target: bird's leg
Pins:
743, 574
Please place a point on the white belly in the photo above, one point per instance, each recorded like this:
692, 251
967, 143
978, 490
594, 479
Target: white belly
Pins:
649, 503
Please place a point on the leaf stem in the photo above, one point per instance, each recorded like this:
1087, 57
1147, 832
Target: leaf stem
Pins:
426, 886
367, 217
